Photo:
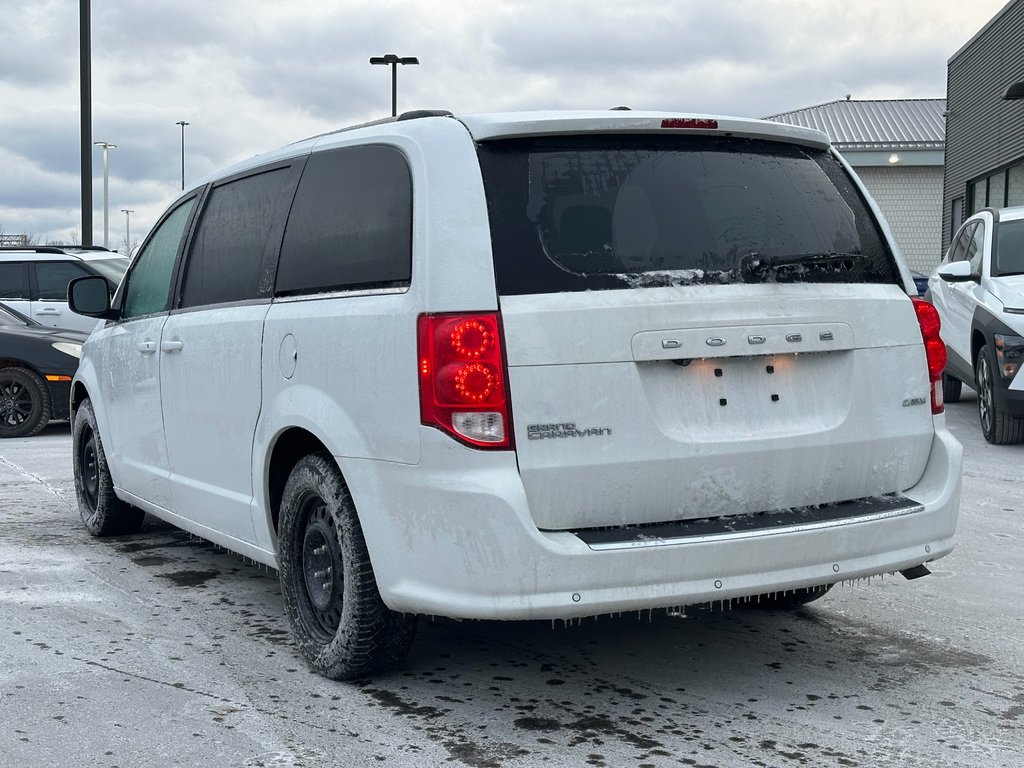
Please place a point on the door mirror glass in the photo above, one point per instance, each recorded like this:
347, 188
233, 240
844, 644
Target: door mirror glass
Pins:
89, 296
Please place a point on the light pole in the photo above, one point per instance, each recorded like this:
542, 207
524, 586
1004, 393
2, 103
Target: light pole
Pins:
127, 232
182, 123
106, 196
394, 61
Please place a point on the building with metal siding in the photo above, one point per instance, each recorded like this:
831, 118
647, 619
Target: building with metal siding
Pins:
896, 147
984, 131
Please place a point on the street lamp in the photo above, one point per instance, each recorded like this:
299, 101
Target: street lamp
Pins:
394, 61
106, 197
127, 232
182, 123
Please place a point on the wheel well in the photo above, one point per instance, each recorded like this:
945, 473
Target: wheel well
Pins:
15, 363
289, 448
977, 342
78, 394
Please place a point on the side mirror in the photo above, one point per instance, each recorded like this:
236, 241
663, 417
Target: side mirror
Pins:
90, 296
956, 272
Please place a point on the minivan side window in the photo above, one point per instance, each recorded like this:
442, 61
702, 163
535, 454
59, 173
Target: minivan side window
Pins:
226, 257
148, 287
351, 223
52, 278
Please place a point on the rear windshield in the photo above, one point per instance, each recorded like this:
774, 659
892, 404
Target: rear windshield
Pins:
607, 212
1010, 248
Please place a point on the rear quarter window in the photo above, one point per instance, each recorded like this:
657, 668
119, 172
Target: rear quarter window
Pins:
602, 212
350, 226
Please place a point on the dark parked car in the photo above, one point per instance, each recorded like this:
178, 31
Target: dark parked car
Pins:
36, 366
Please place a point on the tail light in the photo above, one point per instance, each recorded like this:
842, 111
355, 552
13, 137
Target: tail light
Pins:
463, 380
934, 349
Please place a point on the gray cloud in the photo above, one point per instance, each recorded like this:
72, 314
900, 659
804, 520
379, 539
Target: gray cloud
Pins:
251, 75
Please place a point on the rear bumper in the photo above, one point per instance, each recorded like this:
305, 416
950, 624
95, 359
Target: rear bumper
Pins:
453, 536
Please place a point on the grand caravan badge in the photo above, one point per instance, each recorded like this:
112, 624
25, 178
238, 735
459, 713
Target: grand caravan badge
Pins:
566, 429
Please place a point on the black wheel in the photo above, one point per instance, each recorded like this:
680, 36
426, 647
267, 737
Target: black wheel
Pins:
790, 599
951, 388
24, 403
102, 512
998, 426
340, 624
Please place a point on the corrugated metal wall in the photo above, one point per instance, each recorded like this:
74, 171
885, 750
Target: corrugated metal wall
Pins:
983, 132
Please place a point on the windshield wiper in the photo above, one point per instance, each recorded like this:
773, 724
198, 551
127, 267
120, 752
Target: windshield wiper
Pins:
755, 266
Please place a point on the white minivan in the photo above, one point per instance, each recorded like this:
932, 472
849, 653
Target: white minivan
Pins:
522, 366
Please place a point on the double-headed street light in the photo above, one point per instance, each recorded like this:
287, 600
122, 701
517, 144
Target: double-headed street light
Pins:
182, 123
394, 61
106, 196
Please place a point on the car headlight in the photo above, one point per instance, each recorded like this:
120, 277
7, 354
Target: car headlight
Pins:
75, 350
1009, 354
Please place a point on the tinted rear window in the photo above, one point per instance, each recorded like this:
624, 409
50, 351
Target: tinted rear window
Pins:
600, 212
350, 226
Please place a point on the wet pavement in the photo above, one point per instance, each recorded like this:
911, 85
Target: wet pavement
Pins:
160, 649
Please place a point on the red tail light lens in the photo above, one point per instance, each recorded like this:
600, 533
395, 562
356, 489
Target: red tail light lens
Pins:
934, 349
463, 377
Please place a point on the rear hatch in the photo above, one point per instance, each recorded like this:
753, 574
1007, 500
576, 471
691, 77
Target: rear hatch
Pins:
699, 326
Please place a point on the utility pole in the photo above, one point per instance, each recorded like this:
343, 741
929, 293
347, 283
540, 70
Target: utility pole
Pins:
106, 196
85, 83
127, 232
182, 123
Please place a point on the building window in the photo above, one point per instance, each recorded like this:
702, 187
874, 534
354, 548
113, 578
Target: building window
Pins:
978, 192
956, 215
997, 190
1015, 185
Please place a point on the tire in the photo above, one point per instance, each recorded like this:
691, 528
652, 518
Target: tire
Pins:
339, 622
24, 402
102, 512
998, 426
951, 388
791, 599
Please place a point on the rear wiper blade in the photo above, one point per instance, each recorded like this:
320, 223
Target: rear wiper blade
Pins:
754, 266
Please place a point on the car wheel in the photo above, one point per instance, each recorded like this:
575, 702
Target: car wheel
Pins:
791, 599
951, 388
24, 403
339, 622
102, 512
998, 426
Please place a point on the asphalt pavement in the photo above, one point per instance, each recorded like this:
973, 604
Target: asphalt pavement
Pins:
162, 650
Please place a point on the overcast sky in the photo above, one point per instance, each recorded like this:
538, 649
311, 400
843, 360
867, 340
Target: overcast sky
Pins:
251, 75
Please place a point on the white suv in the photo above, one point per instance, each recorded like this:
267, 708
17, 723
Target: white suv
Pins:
34, 280
978, 290
523, 366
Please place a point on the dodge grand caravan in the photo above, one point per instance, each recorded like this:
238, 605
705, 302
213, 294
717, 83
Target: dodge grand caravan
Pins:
519, 366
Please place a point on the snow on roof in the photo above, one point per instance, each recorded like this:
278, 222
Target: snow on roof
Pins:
879, 124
